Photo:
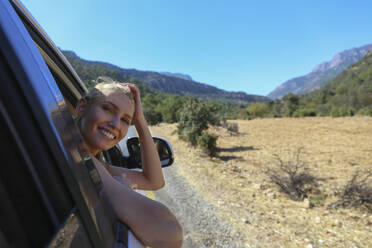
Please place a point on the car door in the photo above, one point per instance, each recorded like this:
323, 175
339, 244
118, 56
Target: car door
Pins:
49, 186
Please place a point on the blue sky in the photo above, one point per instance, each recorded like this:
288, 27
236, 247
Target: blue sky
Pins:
250, 46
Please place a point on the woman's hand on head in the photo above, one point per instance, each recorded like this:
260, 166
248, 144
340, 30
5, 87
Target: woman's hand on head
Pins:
138, 113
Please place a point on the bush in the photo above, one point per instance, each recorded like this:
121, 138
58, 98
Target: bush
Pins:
346, 111
208, 143
334, 112
356, 193
342, 111
365, 111
322, 110
232, 128
258, 109
152, 116
290, 104
194, 119
304, 112
293, 177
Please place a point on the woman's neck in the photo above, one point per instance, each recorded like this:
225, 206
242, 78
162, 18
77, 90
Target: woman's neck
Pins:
93, 152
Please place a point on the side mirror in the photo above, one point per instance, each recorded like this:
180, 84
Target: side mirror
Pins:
163, 146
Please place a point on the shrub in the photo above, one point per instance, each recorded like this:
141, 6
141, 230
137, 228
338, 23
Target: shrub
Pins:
292, 177
357, 192
335, 112
346, 111
194, 119
304, 112
342, 111
208, 143
232, 128
152, 116
258, 109
316, 200
322, 110
365, 111
290, 104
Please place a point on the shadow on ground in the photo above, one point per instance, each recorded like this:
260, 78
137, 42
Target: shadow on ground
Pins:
238, 149
227, 158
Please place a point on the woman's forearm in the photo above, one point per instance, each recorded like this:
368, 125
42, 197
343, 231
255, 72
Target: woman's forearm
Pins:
150, 158
150, 221
151, 176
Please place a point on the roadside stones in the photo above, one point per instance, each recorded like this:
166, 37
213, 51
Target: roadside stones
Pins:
264, 186
369, 220
336, 223
256, 186
317, 220
246, 221
306, 204
271, 195
234, 168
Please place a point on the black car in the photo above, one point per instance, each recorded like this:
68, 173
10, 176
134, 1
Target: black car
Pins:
49, 187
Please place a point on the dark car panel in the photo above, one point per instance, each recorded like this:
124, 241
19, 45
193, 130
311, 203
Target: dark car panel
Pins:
58, 179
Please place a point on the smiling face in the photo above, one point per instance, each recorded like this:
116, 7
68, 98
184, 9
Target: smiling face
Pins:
105, 121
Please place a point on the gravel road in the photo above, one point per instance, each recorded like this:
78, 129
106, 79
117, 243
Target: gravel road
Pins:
201, 227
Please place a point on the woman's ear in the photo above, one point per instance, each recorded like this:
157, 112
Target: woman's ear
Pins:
81, 106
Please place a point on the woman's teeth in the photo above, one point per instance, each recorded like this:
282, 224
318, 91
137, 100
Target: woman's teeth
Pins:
109, 135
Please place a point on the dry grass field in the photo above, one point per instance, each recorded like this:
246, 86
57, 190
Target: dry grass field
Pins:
236, 182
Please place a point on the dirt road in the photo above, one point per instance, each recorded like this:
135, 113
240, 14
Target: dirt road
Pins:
201, 227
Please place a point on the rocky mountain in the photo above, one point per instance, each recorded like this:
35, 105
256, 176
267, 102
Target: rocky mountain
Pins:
321, 74
169, 82
179, 75
348, 93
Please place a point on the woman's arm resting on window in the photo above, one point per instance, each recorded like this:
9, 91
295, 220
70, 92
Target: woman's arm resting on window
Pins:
137, 178
150, 221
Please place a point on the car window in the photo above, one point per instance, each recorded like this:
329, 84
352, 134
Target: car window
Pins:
71, 234
26, 192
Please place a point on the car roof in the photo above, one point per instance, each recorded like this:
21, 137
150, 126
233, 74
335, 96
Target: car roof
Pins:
77, 84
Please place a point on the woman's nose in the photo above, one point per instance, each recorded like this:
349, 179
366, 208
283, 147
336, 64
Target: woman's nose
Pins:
115, 122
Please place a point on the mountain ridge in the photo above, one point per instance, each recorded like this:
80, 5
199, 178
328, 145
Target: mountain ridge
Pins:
321, 74
179, 75
175, 83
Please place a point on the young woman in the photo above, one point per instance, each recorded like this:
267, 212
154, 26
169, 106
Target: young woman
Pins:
104, 116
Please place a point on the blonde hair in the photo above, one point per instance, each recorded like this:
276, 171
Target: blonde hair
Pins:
104, 89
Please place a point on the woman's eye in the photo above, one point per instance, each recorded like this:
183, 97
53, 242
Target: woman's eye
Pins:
125, 120
106, 108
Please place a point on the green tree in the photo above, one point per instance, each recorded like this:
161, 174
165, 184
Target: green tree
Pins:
290, 104
194, 119
258, 109
169, 107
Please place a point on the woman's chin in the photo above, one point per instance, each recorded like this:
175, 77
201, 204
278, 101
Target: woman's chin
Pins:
102, 144
107, 146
